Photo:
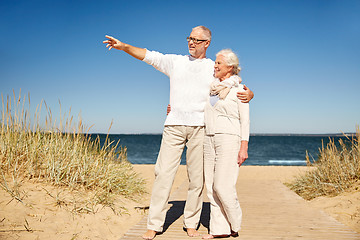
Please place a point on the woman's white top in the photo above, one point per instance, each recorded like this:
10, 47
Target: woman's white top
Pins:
229, 116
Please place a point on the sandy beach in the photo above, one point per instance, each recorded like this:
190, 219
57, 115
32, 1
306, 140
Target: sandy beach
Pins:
45, 212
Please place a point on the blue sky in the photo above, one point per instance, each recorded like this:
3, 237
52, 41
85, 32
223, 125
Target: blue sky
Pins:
301, 58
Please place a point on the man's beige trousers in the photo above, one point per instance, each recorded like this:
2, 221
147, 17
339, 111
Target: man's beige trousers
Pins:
174, 139
221, 173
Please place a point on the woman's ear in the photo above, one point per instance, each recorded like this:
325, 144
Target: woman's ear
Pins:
231, 69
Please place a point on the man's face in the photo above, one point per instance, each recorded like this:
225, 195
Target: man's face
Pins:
198, 50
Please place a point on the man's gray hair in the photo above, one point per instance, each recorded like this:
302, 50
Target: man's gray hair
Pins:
205, 30
231, 60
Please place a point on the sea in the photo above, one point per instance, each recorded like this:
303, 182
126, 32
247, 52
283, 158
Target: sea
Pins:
264, 149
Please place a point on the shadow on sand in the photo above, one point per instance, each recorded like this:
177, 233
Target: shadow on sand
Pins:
177, 210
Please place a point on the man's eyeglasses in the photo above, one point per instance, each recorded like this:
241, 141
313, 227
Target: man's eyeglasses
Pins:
195, 40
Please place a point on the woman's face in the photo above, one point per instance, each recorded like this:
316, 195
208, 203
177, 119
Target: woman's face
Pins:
221, 69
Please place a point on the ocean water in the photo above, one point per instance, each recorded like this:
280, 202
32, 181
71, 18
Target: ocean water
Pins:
263, 149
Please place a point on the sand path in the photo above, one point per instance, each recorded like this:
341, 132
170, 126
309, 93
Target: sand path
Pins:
270, 211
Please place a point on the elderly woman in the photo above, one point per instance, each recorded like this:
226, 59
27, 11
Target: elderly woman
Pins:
225, 147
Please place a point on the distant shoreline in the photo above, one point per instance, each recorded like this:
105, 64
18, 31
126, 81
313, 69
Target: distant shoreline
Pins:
258, 134
305, 134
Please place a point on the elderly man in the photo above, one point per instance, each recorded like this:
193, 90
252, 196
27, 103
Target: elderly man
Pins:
190, 78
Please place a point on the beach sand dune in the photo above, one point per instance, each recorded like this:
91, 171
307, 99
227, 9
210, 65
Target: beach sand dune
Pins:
48, 212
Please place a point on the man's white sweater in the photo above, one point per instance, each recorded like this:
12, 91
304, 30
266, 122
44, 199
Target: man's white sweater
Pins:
190, 80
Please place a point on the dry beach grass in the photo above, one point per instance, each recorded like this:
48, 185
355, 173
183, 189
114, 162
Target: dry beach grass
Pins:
60, 154
336, 170
333, 183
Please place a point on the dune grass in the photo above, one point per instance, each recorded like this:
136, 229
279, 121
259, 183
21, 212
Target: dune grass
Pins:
336, 169
60, 153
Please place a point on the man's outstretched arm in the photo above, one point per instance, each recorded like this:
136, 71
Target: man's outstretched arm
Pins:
245, 96
138, 53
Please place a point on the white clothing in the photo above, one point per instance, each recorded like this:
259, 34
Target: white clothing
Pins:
190, 80
226, 125
222, 88
221, 173
228, 115
173, 141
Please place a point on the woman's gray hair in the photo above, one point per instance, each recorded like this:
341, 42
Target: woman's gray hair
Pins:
231, 60
205, 30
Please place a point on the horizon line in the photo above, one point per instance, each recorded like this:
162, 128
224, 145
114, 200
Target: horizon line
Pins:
253, 134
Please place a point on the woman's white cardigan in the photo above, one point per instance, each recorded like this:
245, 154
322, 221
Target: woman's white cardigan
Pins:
229, 116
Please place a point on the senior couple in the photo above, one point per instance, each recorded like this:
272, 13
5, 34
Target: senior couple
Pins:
210, 115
